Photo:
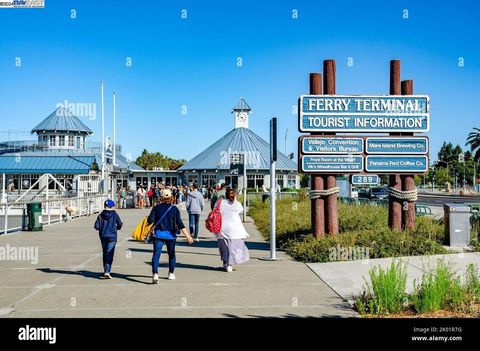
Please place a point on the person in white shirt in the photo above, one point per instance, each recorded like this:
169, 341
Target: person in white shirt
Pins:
230, 238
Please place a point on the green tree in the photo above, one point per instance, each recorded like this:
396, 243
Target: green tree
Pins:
149, 161
442, 176
473, 140
304, 179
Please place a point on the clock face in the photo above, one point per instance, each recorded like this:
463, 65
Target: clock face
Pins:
242, 116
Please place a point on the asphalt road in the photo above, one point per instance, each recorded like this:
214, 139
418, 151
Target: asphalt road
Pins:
439, 200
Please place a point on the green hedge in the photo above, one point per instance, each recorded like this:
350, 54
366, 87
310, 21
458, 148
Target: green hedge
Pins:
361, 226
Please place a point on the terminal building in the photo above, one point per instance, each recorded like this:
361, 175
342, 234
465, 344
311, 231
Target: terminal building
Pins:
62, 150
212, 166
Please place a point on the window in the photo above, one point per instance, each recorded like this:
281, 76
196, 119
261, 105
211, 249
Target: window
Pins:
192, 179
209, 180
27, 180
71, 140
61, 140
254, 180
53, 140
279, 179
45, 139
77, 141
292, 180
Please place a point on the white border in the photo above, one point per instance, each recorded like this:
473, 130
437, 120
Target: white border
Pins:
333, 153
332, 171
302, 114
393, 137
408, 171
365, 175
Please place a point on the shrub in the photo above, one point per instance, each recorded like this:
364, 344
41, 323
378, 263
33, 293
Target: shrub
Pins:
386, 293
361, 226
434, 291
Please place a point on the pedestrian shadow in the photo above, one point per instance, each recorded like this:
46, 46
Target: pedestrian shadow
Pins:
189, 266
293, 316
96, 275
257, 245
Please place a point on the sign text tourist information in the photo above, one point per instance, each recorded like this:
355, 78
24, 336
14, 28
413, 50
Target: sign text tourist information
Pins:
396, 164
375, 113
331, 145
331, 164
393, 145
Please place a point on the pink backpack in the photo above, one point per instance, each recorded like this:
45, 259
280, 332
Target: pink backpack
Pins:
214, 219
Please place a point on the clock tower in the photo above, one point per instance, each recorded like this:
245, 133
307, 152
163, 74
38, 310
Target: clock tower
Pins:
241, 113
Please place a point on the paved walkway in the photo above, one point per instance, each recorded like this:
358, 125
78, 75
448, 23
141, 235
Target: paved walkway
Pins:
65, 281
348, 278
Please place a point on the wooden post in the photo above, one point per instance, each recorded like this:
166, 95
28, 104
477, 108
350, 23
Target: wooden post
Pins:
395, 206
331, 213
317, 181
408, 181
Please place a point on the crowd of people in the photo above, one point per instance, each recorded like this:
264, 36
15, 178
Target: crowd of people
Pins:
150, 197
166, 223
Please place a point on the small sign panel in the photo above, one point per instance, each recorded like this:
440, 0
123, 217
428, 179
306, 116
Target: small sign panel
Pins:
331, 164
396, 164
331, 145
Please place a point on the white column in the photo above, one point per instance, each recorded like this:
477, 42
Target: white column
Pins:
114, 131
103, 144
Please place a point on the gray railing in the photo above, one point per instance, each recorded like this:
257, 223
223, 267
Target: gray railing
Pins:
53, 211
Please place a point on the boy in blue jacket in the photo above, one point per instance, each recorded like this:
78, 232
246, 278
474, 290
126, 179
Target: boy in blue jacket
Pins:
107, 224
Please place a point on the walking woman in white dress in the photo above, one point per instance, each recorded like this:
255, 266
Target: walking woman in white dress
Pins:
230, 238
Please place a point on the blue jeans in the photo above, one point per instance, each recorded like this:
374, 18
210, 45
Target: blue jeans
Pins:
108, 248
157, 250
193, 223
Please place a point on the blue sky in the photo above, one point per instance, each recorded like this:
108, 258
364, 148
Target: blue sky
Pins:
192, 62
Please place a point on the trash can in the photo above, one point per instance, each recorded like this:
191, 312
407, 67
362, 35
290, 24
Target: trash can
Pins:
457, 224
34, 216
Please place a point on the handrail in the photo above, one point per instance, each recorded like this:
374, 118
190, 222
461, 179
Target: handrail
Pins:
56, 208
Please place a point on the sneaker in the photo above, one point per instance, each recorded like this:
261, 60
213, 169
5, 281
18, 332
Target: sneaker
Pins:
171, 276
155, 278
107, 276
229, 269
197, 240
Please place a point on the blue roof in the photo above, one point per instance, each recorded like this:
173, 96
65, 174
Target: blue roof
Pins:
61, 120
217, 156
241, 106
58, 161
46, 164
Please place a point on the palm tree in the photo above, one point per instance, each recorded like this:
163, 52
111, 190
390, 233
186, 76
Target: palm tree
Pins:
473, 140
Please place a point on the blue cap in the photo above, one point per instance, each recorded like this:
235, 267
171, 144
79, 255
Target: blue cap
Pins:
109, 203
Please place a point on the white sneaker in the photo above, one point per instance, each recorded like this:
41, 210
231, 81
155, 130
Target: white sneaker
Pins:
107, 276
155, 278
197, 240
229, 269
171, 276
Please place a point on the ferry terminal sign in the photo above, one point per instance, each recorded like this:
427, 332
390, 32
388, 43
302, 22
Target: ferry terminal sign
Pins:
375, 113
